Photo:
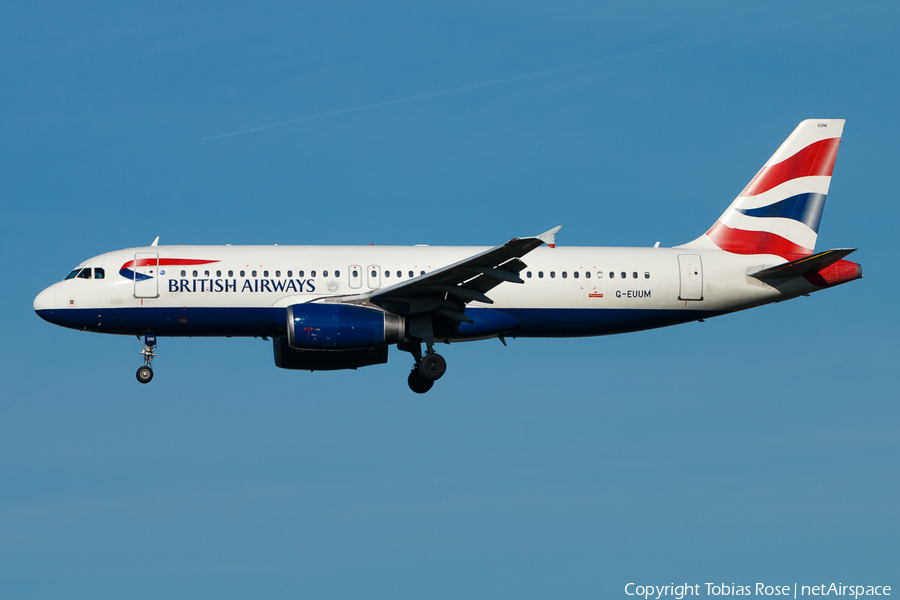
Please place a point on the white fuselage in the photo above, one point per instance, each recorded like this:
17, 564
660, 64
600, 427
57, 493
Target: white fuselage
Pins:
243, 290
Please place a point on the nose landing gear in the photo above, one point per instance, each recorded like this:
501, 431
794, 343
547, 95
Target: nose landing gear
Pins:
145, 373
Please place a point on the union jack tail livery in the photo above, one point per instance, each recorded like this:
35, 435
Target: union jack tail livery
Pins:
779, 211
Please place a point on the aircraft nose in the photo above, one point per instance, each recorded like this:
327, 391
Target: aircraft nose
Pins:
46, 300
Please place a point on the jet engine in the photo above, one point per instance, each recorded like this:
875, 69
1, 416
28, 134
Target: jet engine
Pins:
326, 360
329, 326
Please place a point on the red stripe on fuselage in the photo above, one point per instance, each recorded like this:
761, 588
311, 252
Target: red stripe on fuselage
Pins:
166, 262
741, 241
815, 160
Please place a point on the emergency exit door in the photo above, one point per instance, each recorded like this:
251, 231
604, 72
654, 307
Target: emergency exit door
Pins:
355, 273
374, 275
691, 277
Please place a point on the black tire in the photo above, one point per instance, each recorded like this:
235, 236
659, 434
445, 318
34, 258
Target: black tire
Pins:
419, 384
144, 374
433, 366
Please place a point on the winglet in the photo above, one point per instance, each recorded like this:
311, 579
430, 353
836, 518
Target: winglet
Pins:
155, 242
549, 237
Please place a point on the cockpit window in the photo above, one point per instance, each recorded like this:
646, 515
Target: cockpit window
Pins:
99, 273
72, 274
85, 273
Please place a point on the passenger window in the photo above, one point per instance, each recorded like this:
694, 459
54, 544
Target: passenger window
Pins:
647, 275
206, 273
290, 273
299, 273
195, 273
218, 273
72, 274
587, 274
528, 274
575, 274
552, 274
612, 275
312, 273
337, 273
540, 274
230, 273
422, 273
99, 273
183, 273
265, 273
599, 274
624, 275
242, 273
355, 273
325, 273
253, 273
411, 274
277, 273
634, 275
387, 273
564, 274
399, 273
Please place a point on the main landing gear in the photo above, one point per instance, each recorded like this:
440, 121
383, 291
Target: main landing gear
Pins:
426, 370
145, 374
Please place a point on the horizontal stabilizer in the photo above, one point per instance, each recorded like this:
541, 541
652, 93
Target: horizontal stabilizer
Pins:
803, 266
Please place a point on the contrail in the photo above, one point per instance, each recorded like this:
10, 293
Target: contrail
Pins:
534, 75
465, 88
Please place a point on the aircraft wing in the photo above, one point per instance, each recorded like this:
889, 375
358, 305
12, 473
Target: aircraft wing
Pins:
447, 290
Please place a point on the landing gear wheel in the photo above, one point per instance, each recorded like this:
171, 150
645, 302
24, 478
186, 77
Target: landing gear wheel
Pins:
144, 374
419, 384
433, 366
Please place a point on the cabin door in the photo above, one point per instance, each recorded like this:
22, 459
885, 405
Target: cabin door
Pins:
146, 275
691, 277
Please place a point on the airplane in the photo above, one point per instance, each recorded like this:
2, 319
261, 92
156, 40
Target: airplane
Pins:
342, 307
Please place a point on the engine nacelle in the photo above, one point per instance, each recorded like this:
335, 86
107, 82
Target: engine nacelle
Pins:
329, 326
326, 360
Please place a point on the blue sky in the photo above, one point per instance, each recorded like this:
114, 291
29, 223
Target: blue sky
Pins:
761, 446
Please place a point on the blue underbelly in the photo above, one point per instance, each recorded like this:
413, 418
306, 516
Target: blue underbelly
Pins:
582, 322
269, 321
265, 321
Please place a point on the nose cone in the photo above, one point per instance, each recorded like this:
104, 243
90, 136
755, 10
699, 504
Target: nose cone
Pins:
45, 301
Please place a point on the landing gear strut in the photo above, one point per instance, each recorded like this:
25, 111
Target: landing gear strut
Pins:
427, 369
145, 374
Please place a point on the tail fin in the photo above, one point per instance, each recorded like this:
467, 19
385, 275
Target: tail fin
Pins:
780, 209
